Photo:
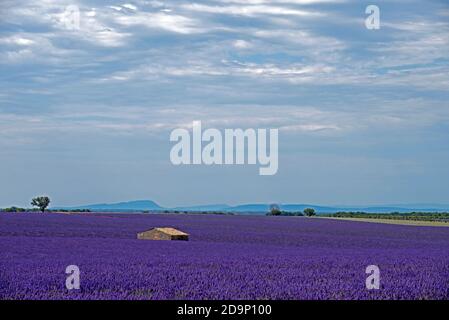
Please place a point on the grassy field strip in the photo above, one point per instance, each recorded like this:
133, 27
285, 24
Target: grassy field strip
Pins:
397, 221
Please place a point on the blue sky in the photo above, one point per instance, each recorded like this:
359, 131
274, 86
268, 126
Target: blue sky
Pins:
85, 115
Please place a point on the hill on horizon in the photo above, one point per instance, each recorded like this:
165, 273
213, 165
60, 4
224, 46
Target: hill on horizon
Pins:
256, 208
136, 205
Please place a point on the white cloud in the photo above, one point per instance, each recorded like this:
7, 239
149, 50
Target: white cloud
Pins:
129, 6
117, 8
141, 120
91, 13
275, 70
309, 73
160, 20
242, 44
293, 119
31, 48
311, 127
250, 10
93, 28
301, 38
300, 2
17, 40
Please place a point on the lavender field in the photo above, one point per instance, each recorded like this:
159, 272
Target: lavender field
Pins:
227, 257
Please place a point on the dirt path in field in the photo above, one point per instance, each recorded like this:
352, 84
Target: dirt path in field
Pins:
393, 221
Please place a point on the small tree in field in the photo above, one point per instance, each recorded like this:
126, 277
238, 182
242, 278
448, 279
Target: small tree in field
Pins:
40, 202
275, 210
309, 212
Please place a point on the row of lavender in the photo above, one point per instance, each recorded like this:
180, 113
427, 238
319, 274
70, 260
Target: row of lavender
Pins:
227, 257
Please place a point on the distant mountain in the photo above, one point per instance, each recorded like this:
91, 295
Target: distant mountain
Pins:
138, 205
251, 208
367, 209
211, 207
421, 205
257, 208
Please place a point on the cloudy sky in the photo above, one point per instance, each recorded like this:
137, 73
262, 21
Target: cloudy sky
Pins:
86, 113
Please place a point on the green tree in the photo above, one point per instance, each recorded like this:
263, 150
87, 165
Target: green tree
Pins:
275, 210
41, 202
309, 212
